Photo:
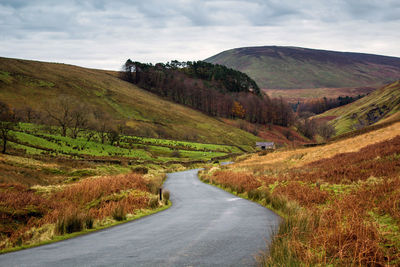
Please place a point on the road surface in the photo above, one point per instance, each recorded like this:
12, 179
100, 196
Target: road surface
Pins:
205, 226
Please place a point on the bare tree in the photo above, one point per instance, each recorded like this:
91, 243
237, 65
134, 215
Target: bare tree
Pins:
113, 136
61, 113
79, 121
7, 124
101, 124
27, 114
326, 130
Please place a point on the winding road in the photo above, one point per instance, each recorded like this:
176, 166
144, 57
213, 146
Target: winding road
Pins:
205, 226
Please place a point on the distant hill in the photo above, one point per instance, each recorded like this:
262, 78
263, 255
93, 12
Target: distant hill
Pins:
382, 105
275, 67
25, 83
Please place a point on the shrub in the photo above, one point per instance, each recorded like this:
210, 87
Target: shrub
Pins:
89, 221
254, 194
153, 202
119, 213
277, 202
153, 185
69, 224
140, 170
166, 195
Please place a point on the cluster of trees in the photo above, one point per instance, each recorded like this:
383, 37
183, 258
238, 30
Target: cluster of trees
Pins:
320, 105
72, 118
212, 89
309, 128
223, 79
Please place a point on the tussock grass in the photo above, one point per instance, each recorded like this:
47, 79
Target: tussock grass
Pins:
119, 213
69, 224
166, 196
340, 202
153, 202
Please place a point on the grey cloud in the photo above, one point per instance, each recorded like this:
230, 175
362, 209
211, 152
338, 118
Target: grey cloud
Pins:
373, 10
104, 33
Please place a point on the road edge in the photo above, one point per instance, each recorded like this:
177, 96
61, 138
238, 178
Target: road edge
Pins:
60, 238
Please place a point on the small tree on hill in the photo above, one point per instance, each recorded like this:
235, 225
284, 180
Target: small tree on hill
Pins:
7, 124
61, 113
79, 120
238, 110
113, 136
326, 130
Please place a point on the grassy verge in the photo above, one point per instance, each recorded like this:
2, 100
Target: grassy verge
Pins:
340, 208
40, 214
58, 238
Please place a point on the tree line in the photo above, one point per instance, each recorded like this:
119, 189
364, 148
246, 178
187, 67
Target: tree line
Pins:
213, 89
320, 105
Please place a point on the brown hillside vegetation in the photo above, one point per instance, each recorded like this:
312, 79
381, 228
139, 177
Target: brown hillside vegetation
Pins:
274, 133
340, 202
37, 214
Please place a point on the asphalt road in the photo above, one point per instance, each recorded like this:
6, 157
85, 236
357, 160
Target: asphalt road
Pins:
205, 226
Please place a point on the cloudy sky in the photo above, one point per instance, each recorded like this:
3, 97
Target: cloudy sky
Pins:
103, 34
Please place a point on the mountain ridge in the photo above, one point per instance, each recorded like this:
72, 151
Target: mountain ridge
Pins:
285, 67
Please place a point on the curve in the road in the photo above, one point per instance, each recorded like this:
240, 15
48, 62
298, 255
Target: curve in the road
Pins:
206, 226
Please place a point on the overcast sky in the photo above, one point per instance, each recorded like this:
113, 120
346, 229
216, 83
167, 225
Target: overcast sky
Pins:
103, 34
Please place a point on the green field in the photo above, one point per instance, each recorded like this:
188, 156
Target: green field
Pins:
35, 139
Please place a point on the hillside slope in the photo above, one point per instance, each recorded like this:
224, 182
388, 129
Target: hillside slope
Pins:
277, 67
35, 84
381, 105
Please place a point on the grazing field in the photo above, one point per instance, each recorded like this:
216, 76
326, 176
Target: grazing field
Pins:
340, 202
40, 139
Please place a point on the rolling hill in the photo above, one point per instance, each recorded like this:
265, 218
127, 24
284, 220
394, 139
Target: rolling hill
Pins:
35, 84
383, 105
274, 67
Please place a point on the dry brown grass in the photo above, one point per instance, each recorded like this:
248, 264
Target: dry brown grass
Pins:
305, 195
23, 209
237, 182
302, 156
349, 194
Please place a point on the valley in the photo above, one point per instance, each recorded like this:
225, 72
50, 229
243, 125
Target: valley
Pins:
200, 133
86, 149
